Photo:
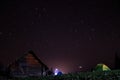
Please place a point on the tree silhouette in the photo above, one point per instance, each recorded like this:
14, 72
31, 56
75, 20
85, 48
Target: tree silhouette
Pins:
117, 61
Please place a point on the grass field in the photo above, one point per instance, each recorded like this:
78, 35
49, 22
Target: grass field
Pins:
109, 75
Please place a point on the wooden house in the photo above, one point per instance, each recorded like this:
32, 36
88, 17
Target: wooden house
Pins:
28, 65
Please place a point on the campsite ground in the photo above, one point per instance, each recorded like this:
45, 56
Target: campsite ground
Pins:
99, 75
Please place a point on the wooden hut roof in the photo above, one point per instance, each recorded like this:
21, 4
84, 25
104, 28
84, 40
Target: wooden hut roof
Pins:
30, 58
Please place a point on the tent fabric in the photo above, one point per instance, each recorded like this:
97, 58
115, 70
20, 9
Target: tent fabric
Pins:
102, 67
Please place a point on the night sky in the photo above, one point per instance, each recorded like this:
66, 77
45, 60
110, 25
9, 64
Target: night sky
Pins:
63, 34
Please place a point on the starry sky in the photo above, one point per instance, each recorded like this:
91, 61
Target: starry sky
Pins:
64, 34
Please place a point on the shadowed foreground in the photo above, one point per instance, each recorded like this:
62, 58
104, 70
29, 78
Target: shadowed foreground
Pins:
106, 75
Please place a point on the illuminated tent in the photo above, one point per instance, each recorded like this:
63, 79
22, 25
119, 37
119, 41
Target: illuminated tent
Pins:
102, 67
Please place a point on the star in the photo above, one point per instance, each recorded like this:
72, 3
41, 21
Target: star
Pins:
47, 15
90, 38
44, 9
92, 29
76, 30
39, 15
1, 33
82, 21
32, 22
54, 19
36, 9
10, 33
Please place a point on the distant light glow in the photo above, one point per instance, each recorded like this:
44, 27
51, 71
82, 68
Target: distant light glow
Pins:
80, 67
56, 71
